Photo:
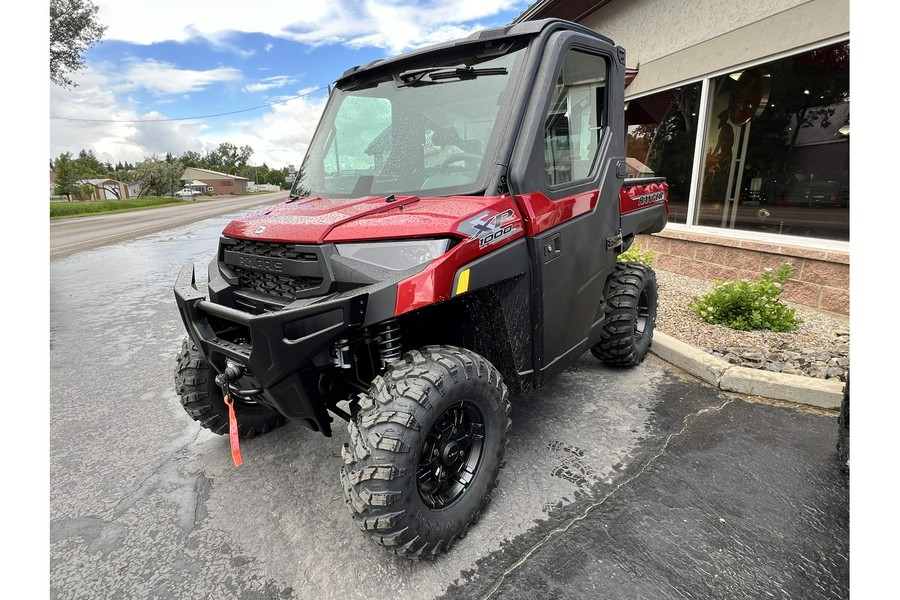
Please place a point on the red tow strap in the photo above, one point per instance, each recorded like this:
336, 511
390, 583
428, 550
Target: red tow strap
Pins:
233, 433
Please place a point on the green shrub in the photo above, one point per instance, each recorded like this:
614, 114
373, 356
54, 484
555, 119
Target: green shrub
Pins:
748, 305
635, 254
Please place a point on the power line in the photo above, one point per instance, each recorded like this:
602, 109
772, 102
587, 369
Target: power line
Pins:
233, 112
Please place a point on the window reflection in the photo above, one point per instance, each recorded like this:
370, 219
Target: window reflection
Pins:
777, 149
661, 132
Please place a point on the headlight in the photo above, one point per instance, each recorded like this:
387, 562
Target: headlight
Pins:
396, 256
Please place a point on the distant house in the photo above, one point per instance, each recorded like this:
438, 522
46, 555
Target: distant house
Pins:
53, 194
106, 189
214, 182
134, 188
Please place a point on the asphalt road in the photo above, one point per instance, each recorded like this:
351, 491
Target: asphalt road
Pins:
83, 233
639, 483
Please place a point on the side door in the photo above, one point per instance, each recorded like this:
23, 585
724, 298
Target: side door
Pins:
566, 171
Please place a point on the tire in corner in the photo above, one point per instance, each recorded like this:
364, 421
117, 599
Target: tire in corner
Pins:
195, 384
425, 450
630, 316
843, 441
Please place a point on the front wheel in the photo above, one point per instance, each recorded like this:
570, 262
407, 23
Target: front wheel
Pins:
203, 401
630, 315
425, 450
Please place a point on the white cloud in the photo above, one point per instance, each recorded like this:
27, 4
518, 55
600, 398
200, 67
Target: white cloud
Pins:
116, 129
163, 78
388, 24
94, 118
270, 83
396, 26
281, 135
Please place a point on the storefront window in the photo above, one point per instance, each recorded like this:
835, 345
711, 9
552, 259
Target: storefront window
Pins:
661, 131
777, 149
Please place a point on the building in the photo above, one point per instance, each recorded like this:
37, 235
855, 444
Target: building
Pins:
214, 182
198, 186
745, 109
106, 189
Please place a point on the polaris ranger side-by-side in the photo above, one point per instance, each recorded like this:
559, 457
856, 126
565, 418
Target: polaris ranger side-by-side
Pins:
451, 240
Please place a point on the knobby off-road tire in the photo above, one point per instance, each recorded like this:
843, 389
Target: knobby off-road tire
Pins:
425, 450
195, 383
630, 316
843, 442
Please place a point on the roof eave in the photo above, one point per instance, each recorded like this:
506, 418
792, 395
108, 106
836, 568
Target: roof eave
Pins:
570, 10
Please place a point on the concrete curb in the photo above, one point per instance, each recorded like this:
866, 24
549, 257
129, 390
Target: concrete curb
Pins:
754, 382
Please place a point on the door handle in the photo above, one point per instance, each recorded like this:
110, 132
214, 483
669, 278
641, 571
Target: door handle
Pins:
551, 247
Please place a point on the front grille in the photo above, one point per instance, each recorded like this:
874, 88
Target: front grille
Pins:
284, 271
282, 286
273, 250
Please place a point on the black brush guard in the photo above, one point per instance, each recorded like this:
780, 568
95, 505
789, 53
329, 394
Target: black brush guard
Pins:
275, 348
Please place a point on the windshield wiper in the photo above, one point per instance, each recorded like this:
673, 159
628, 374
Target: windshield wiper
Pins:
441, 74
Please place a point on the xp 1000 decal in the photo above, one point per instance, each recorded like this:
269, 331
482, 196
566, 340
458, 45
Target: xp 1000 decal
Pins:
490, 229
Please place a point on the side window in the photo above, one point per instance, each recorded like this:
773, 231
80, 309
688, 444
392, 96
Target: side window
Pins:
576, 120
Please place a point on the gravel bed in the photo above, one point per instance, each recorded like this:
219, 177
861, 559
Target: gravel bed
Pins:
819, 348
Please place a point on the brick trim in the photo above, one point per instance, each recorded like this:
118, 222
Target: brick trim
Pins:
821, 278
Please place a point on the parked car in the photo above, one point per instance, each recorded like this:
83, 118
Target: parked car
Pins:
188, 193
815, 193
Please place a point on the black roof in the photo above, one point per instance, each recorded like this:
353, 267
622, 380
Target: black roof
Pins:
525, 29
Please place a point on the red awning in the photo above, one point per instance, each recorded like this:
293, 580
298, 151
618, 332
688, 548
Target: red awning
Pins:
630, 74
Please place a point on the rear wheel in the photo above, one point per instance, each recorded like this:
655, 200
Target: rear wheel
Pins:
203, 401
843, 443
630, 315
425, 450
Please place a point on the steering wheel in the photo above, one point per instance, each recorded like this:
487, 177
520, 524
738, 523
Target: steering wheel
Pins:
469, 159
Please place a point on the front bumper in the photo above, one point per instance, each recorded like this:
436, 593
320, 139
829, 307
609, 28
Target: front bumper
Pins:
280, 349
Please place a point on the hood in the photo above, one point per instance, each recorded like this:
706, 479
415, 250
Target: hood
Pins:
321, 220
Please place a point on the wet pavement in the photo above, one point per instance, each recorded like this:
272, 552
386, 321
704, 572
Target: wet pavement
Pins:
734, 505
639, 483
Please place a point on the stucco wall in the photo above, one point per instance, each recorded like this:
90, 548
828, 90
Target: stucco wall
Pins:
677, 41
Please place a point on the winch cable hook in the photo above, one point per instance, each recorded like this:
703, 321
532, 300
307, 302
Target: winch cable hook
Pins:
224, 379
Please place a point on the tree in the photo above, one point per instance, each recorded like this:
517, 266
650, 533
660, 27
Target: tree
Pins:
157, 177
65, 176
805, 92
811, 85
228, 158
73, 29
638, 139
71, 174
277, 177
89, 167
192, 159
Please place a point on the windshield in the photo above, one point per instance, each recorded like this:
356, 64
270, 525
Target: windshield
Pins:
417, 131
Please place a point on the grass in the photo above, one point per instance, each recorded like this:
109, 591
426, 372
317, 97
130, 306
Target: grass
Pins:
60, 210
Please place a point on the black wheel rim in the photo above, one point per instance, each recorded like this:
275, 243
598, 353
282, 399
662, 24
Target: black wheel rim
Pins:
451, 454
643, 315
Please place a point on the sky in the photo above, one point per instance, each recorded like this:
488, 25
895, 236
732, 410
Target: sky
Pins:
171, 76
